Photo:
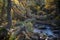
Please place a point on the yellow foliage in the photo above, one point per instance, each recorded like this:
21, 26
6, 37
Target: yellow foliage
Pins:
24, 3
16, 2
50, 6
12, 13
14, 21
48, 1
21, 4
1, 3
47, 6
38, 8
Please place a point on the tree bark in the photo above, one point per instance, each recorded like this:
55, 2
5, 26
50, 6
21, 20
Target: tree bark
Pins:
9, 18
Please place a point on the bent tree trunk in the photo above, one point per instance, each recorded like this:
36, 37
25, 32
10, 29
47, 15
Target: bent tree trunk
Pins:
9, 18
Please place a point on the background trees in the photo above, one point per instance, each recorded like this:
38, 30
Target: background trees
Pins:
12, 12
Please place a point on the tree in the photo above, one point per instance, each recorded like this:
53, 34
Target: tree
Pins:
9, 18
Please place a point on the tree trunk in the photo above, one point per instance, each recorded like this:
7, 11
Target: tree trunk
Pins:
9, 18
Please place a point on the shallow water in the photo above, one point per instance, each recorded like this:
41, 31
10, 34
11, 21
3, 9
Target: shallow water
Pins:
46, 31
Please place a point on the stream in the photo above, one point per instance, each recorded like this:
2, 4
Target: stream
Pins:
44, 29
